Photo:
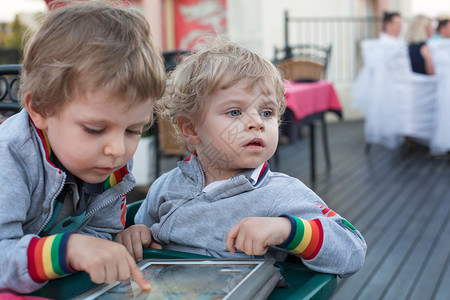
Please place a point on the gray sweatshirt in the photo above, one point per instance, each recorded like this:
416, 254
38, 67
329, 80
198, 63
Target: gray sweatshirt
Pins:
29, 186
182, 217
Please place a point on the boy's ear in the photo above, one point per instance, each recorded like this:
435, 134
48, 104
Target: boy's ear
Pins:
38, 118
187, 130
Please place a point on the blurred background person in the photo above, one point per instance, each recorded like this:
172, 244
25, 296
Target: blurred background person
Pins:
443, 28
419, 31
392, 25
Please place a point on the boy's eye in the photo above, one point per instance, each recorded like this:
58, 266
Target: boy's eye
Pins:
234, 113
92, 130
136, 132
266, 114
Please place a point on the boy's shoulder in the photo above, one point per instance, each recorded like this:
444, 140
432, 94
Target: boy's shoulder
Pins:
19, 148
283, 179
15, 130
283, 184
174, 177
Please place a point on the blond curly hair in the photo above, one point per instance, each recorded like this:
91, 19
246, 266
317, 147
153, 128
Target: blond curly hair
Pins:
215, 63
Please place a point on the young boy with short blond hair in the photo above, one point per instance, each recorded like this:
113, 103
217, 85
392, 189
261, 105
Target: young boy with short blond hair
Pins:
91, 77
225, 102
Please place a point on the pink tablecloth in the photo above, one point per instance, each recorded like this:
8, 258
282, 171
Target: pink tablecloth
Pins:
308, 98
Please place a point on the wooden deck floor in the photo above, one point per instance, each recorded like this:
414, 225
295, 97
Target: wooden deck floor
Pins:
398, 199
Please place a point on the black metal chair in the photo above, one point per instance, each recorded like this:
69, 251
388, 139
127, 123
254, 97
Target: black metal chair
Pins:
9, 86
172, 57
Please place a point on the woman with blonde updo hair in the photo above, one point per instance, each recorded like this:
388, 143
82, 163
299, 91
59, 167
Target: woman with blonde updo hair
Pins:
419, 31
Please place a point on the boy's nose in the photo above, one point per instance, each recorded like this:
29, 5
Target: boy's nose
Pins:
254, 122
115, 147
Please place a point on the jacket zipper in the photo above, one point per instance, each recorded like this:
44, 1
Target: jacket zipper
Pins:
203, 173
90, 213
52, 202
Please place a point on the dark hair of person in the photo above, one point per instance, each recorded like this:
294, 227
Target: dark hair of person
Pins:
388, 17
442, 23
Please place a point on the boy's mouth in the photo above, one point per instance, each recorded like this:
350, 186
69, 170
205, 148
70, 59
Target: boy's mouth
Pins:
105, 170
255, 143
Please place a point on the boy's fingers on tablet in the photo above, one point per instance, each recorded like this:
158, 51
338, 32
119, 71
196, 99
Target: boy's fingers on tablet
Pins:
139, 278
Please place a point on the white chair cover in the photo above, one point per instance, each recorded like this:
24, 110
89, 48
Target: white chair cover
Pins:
396, 102
440, 54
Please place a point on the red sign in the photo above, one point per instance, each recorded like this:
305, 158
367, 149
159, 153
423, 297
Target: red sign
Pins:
196, 18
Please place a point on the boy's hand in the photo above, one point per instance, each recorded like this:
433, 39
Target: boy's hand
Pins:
254, 235
103, 260
134, 238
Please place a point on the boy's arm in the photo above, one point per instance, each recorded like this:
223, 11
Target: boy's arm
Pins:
47, 257
329, 245
57, 255
14, 265
17, 185
324, 240
28, 263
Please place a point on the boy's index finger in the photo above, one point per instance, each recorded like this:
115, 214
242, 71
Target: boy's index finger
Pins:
137, 275
139, 278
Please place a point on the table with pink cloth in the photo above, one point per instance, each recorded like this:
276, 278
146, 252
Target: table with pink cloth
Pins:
307, 102
309, 98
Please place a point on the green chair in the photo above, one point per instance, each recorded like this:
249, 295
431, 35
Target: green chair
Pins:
132, 209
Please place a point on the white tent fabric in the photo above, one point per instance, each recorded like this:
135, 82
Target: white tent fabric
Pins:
440, 54
397, 103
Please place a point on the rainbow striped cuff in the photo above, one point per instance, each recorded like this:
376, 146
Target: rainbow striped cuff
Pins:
305, 238
47, 257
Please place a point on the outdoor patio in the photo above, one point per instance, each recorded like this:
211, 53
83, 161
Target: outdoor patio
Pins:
398, 199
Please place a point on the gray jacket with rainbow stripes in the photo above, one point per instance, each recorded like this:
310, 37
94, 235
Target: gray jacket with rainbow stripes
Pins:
29, 186
184, 218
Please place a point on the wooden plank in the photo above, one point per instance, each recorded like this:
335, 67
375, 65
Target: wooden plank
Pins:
443, 285
404, 236
380, 246
388, 216
412, 269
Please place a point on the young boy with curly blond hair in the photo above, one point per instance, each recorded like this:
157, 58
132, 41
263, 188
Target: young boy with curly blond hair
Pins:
225, 101
91, 77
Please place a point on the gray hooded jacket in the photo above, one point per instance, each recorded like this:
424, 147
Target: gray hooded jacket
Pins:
29, 184
182, 217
